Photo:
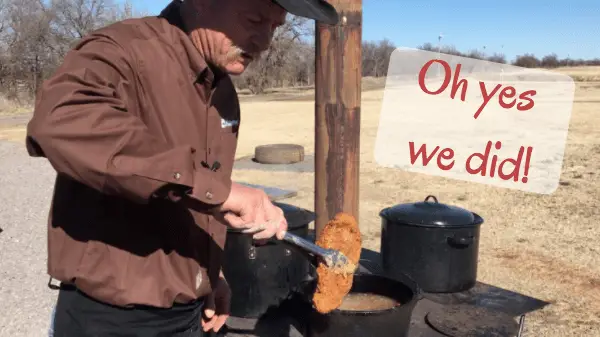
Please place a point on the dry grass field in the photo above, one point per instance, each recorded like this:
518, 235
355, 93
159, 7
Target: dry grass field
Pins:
543, 246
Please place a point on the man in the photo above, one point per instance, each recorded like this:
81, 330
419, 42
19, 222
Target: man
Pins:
141, 124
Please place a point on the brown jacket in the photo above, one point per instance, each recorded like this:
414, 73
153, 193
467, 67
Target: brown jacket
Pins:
132, 112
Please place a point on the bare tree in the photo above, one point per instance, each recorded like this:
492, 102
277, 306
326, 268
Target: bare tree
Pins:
77, 18
123, 11
527, 61
476, 54
370, 62
36, 34
3, 15
384, 51
498, 58
376, 57
550, 61
31, 44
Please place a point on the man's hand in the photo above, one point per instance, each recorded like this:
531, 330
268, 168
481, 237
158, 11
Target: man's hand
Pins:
216, 308
251, 210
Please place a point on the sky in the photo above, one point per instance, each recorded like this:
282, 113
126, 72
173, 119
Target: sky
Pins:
568, 28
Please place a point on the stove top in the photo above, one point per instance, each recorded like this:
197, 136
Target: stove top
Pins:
483, 311
430, 319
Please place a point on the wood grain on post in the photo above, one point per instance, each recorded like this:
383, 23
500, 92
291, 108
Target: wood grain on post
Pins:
337, 113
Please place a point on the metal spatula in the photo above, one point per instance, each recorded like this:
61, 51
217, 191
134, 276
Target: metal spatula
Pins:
334, 259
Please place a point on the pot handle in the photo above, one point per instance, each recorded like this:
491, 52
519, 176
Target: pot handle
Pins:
431, 196
460, 241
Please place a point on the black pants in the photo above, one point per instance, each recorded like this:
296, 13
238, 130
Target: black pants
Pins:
78, 315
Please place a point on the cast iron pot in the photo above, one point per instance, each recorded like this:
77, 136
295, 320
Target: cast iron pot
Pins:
393, 322
435, 244
262, 276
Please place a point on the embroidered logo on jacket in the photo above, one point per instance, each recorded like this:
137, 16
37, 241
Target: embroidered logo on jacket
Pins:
228, 123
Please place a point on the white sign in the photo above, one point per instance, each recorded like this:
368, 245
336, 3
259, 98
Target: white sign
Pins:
474, 120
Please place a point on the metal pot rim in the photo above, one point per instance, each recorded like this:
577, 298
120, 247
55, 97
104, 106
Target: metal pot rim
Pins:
430, 213
478, 221
297, 217
414, 288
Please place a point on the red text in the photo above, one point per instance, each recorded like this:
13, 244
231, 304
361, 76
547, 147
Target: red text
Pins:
507, 169
445, 154
507, 96
522, 161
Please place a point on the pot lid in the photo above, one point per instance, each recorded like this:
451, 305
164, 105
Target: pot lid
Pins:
296, 217
465, 320
430, 213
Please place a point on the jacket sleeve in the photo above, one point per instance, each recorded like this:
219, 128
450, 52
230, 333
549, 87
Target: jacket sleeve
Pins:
83, 125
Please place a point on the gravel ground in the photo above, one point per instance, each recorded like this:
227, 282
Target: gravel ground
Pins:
25, 300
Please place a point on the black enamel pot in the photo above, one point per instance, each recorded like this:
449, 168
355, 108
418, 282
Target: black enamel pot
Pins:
436, 245
263, 276
368, 318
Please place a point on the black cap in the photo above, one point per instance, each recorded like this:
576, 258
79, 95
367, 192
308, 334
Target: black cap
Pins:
318, 10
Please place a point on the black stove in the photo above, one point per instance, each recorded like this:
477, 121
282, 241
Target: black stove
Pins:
483, 311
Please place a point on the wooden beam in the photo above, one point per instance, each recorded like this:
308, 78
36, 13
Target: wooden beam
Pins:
337, 113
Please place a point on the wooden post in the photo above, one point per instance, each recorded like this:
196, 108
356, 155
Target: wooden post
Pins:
337, 113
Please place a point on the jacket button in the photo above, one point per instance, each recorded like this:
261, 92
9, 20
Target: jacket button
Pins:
177, 175
209, 195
